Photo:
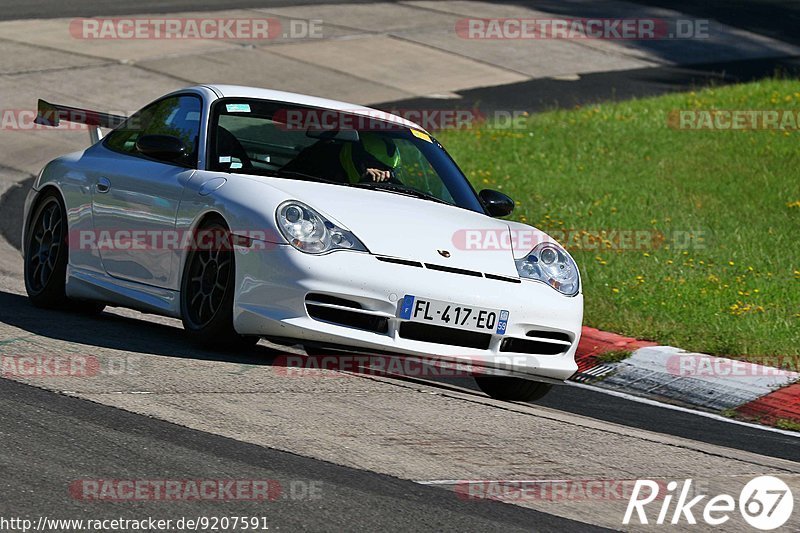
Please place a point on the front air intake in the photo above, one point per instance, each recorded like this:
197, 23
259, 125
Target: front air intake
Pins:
441, 335
349, 319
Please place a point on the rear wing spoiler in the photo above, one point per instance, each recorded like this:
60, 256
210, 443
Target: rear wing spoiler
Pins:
52, 115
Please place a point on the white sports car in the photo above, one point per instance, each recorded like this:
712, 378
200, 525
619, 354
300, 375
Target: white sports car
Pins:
252, 213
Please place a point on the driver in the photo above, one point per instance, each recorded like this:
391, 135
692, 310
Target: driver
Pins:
374, 158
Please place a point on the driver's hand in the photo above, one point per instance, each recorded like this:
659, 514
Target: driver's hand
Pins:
373, 174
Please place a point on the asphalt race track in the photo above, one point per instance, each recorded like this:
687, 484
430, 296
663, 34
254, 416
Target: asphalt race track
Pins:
49, 441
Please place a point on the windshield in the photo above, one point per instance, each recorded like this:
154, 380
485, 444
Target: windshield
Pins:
294, 142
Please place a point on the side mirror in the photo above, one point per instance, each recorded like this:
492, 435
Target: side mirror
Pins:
497, 204
162, 147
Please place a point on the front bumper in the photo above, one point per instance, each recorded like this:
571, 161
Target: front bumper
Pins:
273, 284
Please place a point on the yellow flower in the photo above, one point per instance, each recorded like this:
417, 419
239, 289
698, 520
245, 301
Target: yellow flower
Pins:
616, 290
731, 263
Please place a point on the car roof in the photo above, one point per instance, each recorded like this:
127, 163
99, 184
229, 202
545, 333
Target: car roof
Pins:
240, 91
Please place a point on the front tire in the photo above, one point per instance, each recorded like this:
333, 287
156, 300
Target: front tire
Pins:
46, 255
207, 290
512, 389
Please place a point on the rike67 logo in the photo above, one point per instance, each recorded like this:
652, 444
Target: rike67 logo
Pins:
765, 503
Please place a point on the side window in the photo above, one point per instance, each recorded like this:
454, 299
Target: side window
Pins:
178, 116
253, 136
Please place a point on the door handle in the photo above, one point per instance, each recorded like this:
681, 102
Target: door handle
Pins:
103, 185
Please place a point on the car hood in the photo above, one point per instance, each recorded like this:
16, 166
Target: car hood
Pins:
405, 227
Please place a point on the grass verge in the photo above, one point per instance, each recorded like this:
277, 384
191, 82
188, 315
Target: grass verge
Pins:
615, 356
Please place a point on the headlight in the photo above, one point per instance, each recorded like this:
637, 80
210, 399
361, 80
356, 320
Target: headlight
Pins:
310, 232
550, 263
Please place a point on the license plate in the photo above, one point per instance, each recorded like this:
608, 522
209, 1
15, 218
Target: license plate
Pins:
453, 315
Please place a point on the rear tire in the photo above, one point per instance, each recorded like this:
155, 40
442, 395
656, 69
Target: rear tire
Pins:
512, 389
46, 256
207, 290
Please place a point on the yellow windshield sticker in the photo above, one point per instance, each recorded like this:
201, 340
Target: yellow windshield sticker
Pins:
421, 135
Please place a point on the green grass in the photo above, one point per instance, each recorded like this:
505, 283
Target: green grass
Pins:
615, 356
784, 423
726, 279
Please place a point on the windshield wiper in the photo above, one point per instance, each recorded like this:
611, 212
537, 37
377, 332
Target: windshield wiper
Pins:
401, 189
